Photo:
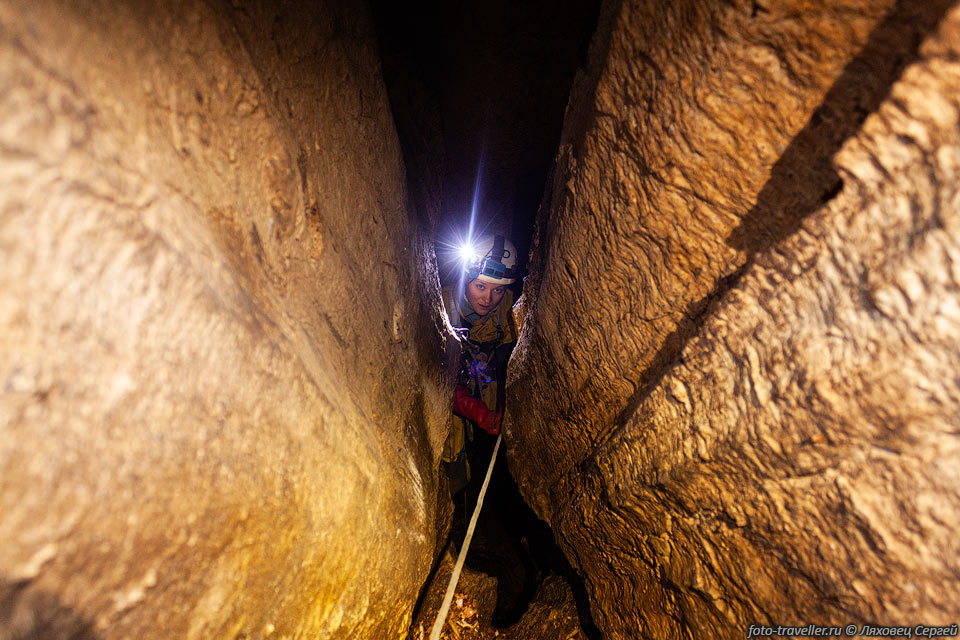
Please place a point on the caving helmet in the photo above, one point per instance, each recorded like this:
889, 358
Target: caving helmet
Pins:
492, 259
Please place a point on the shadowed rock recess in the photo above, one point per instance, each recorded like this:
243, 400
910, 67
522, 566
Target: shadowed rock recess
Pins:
225, 373
735, 395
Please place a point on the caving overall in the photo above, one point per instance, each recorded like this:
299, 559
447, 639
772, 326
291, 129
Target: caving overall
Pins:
489, 341
486, 347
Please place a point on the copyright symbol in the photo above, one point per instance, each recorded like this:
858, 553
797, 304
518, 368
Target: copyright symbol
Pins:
851, 629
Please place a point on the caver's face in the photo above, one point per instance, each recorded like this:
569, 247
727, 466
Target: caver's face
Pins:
484, 296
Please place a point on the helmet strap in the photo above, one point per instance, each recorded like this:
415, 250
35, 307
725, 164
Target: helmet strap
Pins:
497, 251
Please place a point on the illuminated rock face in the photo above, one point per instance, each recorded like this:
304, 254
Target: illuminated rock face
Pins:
224, 377
735, 396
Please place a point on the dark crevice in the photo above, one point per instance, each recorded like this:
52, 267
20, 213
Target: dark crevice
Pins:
804, 179
490, 82
513, 545
27, 613
482, 83
425, 589
690, 324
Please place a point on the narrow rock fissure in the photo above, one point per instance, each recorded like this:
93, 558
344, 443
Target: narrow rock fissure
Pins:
275, 274
514, 546
436, 84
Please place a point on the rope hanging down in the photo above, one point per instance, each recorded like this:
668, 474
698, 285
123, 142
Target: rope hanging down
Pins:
455, 577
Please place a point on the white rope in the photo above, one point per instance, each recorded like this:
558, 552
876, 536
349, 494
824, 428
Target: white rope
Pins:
455, 577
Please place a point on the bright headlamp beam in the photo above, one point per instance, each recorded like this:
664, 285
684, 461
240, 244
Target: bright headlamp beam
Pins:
468, 253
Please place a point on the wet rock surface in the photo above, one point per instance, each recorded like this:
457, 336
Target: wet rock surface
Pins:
734, 398
224, 377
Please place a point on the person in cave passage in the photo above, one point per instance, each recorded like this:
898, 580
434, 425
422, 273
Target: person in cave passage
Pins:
480, 309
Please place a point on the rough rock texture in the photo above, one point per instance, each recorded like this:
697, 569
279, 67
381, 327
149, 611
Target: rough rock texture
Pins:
735, 395
551, 614
471, 609
223, 368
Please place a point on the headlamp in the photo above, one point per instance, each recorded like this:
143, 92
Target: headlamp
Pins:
492, 268
468, 253
493, 263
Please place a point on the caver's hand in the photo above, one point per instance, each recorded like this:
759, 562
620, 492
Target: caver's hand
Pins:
466, 406
478, 371
491, 422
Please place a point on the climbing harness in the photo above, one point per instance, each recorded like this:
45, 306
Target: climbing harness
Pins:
455, 576
480, 365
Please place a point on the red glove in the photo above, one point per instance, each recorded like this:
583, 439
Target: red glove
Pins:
466, 406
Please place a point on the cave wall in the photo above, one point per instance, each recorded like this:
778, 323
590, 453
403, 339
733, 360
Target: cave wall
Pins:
224, 373
735, 393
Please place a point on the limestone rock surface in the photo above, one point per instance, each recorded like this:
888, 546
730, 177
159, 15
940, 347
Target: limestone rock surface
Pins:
471, 609
551, 614
224, 373
735, 395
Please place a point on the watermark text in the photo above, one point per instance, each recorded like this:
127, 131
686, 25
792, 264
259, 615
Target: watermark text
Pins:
851, 631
